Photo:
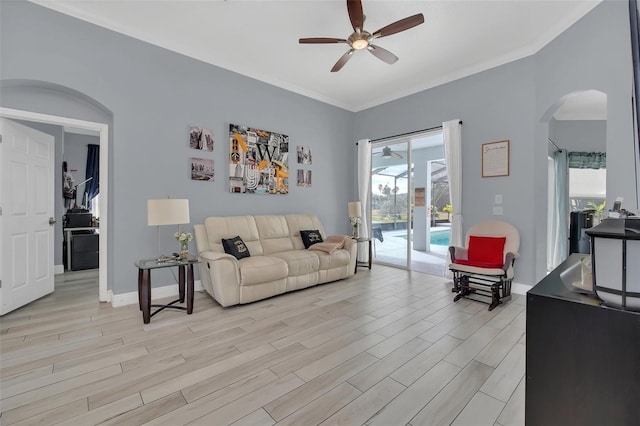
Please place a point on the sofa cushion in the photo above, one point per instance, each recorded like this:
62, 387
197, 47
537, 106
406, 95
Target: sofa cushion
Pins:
298, 222
299, 262
230, 226
274, 234
262, 269
310, 237
336, 259
235, 247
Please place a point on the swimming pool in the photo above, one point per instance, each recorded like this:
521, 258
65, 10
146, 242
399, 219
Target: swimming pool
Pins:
440, 238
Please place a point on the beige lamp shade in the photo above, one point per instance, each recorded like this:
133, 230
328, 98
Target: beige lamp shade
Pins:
355, 209
167, 211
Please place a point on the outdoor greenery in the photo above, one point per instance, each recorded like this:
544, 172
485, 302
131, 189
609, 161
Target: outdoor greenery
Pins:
387, 205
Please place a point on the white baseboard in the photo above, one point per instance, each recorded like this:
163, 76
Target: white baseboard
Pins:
58, 269
170, 290
520, 288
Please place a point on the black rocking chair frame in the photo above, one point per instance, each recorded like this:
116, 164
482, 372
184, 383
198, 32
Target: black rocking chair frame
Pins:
479, 287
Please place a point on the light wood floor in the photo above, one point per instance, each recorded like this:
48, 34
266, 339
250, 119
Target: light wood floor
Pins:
386, 347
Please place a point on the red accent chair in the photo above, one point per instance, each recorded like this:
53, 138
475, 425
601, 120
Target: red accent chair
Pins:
485, 266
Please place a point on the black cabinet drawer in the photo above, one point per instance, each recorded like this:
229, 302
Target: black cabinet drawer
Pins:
80, 243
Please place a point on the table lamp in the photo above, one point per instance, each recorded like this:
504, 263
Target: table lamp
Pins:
167, 211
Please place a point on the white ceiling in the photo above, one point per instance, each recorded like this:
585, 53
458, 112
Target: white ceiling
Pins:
259, 39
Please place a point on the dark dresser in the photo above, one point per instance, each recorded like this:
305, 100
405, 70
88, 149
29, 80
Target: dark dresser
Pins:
582, 359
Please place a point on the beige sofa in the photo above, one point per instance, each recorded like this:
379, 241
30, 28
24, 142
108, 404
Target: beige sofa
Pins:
278, 263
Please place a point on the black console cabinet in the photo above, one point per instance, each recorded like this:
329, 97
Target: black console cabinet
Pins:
582, 359
84, 251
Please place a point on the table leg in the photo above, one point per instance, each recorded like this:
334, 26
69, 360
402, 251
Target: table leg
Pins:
370, 254
181, 282
190, 289
146, 296
140, 288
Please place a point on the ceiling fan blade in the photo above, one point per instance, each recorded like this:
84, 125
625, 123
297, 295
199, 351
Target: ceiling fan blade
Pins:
343, 60
382, 54
321, 40
401, 25
396, 155
354, 7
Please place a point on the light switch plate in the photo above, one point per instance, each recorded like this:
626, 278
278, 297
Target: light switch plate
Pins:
498, 199
497, 211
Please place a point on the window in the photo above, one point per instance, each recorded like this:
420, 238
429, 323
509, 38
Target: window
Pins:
587, 186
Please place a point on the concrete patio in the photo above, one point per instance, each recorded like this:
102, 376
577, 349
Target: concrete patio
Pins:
393, 251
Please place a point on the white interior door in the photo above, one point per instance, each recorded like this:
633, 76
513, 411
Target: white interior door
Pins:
27, 203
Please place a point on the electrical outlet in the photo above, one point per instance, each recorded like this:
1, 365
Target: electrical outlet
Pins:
498, 199
497, 211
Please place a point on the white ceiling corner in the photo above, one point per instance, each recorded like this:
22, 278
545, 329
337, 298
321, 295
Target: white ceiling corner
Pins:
259, 39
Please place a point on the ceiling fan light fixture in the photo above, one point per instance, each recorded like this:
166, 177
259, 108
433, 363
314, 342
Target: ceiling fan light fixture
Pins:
386, 156
359, 40
360, 44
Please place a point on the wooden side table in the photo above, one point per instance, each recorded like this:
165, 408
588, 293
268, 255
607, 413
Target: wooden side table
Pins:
364, 264
144, 285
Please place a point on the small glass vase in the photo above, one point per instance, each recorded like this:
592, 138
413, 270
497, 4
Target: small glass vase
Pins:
184, 250
355, 231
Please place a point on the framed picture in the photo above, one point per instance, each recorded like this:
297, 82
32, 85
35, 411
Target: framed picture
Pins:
258, 161
304, 177
304, 155
202, 169
495, 159
201, 138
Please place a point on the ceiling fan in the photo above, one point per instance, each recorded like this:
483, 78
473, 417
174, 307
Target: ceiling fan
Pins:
388, 153
361, 39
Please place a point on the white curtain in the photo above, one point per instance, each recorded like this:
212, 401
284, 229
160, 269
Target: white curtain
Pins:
559, 226
364, 194
452, 131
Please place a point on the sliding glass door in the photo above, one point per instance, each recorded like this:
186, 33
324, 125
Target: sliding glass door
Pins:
390, 212
409, 193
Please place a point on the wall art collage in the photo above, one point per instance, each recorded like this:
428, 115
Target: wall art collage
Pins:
202, 169
258, 161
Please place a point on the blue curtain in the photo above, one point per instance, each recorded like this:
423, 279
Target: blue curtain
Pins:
560, 225
587, 160
92, 187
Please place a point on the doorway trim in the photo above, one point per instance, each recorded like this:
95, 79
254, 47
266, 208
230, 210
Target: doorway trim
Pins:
103, 129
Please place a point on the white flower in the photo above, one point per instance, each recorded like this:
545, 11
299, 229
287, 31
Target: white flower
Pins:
354, 221
183, 237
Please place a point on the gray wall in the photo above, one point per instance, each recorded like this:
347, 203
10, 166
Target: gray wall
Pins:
579, 135
594, 54
515, 102
493, 105
154, 96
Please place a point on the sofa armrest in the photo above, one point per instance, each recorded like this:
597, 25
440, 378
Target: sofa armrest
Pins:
351, 246
223, 276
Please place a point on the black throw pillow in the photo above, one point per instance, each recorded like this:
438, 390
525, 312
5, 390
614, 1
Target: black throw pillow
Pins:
310, 237
235, 247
